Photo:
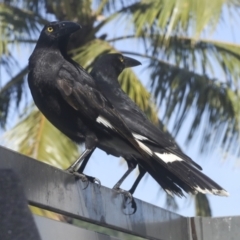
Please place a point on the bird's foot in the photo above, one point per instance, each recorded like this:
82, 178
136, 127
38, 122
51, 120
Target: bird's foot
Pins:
127, 195
84, 178
128, 199
92, 180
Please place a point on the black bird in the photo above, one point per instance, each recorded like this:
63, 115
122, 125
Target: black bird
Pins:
68, 97
169, 166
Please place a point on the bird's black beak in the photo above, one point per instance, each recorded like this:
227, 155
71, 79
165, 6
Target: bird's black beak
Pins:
67, 28
130, 62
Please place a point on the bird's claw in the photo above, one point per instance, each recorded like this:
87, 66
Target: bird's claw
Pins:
97, 181
125, 193
133, 206
93, 180
84, 178
127, 196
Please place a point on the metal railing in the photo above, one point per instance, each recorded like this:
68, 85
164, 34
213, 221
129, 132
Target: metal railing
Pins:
55, 190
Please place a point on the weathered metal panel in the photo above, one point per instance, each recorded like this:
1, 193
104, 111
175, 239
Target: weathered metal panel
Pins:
56, 190
51, 229
223, 228
16, 221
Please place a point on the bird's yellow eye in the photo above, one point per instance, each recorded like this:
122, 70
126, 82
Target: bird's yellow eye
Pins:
121, 59
50, 29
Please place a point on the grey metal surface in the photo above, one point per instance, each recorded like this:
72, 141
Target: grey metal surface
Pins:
56, 190
224, 228
51, 229
16, 220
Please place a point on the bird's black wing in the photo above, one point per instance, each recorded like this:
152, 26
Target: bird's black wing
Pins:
77, 89
142, 129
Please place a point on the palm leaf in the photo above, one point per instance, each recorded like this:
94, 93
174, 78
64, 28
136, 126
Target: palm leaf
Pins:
178, 17
185, 90
25, 23
12, 91
36, 137
202, 206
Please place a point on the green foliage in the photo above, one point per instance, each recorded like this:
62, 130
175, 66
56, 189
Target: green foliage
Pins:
181, 15
215, 102
12, 90
35, 136
202, 206
21, 27
107, 231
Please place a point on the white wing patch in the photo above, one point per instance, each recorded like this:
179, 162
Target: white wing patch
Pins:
105, 122
220, 192
168, 157
139, 137
169, 192
212, 191
204, 191
145, 148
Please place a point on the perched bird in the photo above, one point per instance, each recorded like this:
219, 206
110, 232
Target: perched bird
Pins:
168, 165
68, 97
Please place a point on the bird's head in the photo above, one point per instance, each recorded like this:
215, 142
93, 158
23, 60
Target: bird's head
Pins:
57, 32
117, 62
54, 30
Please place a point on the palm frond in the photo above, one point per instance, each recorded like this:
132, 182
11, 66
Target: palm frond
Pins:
202, 206
15, 31
171, 203
110, 6
25, 23
11, 92
201, 56
35, 136
177, 17
184, 90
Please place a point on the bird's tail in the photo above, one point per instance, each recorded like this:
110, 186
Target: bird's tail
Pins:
186, 177
174, 170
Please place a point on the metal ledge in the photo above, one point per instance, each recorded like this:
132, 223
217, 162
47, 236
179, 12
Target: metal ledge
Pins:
58, 191
51, 229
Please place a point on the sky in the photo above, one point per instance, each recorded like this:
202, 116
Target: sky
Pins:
109, 170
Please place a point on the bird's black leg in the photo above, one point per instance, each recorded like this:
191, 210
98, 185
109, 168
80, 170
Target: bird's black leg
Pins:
118, 184
77, 168
131, 165
140, 176
85, 161
142, 172
82, 167
76, 165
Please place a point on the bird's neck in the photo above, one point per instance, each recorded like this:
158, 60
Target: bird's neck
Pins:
62, 46
57, 45
106, 79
